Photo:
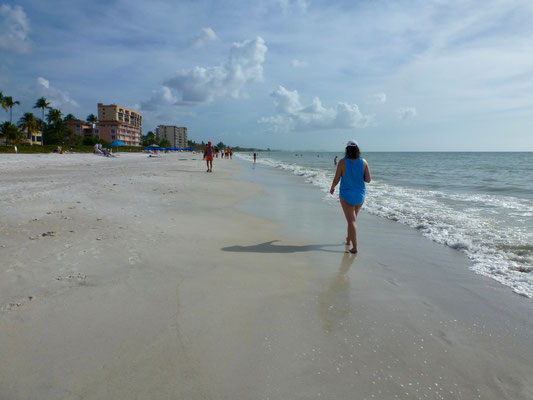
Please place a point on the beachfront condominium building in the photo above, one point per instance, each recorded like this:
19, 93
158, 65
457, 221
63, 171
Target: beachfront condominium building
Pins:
119, 123
80, 127
176, 135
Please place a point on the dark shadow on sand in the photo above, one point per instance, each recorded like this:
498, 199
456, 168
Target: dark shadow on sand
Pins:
269, 247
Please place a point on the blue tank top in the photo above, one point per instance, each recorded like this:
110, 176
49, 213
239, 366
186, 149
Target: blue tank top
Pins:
353, 187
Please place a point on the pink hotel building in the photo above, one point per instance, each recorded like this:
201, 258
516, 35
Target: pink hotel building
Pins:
119, 123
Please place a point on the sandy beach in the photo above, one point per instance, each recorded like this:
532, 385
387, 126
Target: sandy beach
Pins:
147, 278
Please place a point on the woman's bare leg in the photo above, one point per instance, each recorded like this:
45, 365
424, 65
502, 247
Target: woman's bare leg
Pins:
350, 212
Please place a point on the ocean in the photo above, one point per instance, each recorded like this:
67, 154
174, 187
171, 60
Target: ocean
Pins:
478, 203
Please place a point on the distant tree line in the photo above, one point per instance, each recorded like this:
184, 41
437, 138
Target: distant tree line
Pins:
151, 138
54, 130
52, 125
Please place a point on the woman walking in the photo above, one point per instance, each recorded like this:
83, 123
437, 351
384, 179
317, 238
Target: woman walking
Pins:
353, 172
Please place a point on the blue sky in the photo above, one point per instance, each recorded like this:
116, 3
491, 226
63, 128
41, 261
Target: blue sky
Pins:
289, 74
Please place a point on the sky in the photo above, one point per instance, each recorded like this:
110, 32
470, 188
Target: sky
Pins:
403, 75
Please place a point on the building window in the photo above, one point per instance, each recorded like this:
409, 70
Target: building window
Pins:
112, 131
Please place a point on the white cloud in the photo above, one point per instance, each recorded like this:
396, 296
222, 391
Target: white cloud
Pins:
299, 64
14, 29
204, 84
56, 97
293, 116
286, 102
206, 35
406, 113
377, 98
160, 98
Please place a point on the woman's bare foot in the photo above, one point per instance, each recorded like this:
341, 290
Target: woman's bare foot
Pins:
353, 251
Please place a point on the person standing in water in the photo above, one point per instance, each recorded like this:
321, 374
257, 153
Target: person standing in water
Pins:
208, 156
335, 160
352, 171
255, 157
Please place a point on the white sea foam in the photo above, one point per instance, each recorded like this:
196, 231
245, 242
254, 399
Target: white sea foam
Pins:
470, 223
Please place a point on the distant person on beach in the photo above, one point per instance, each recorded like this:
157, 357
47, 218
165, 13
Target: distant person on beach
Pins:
208, 156
335, 160
353, 172
231, 154
255, 157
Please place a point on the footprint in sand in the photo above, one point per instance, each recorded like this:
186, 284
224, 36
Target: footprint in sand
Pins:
393, 282
134, 258
79, 277
15, 267
13, 305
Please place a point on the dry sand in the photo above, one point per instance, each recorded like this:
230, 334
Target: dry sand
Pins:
136, 278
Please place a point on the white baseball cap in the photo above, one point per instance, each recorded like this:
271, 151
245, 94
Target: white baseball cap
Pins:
352, 143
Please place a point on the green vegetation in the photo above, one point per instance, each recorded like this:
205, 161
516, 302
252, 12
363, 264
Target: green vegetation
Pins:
165, 143
3, 103
151, 138
91, 141
10, 133
148, 139
29, 123
92, 119
43, 105
49, 148
9, 103
54, 130
56, 133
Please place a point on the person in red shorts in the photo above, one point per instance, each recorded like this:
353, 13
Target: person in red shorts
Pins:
209, 152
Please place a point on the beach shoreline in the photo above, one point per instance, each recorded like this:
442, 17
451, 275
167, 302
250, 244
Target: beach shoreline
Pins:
148, 278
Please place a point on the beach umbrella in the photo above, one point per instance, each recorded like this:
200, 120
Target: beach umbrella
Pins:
117, 143
153, 146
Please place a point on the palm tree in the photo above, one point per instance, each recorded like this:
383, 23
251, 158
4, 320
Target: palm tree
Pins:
10, 132
3, 101
10, 103
42, 104
53, 115
92, 119
58, 133
29, 123
3, 129
69, 117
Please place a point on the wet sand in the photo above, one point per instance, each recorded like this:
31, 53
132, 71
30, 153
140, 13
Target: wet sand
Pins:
149, 278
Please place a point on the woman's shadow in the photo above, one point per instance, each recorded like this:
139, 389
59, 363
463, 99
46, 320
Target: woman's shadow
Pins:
335, 304
270, 247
